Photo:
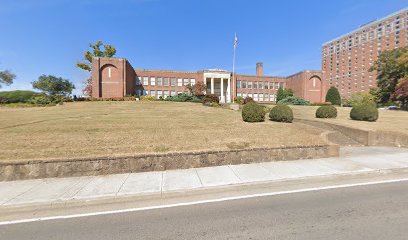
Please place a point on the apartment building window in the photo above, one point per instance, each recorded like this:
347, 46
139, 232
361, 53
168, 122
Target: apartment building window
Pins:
145, 81
152, 81
179, 82
185, 81
192, 81
165, 81
173, 82
238, 84
249, 85
153, 93
159, 81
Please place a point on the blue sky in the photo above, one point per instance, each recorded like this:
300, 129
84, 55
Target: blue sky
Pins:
50, 36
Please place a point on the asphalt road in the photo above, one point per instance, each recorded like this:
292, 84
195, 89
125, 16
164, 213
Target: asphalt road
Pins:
365, 212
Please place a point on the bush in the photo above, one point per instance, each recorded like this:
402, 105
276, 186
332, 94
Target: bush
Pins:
281, 113
294, 101
239, 100
18, 96
327, 111
210, 98
253, 112
147, 98
360, 98
3, 100
333, 96
43, 100
248, 100
364, 112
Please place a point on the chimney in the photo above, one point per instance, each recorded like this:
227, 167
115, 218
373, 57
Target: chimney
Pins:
259, 69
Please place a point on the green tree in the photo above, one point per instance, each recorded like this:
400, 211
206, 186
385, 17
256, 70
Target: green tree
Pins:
287, 92
6, 77
280, 95
55, 86
96, 51
361, 98
333, 96
391, 67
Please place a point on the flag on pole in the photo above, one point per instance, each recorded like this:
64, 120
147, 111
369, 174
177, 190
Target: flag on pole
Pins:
236, 41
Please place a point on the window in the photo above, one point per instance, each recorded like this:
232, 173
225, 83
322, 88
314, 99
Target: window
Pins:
145, 81
159, 94
266, 97
166, 94
244, 84
255, 85
152, 81
238, 84
165, 81
179, 82
185, 81
192, 81
256, 97
173, 82
261, 97
159, 82
277, 85
153, 93
266, 85
173, 93
260, 85
272, 97
249, 85
137, 79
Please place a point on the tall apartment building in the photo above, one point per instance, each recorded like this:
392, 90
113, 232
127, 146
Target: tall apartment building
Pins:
115, 77
347, 59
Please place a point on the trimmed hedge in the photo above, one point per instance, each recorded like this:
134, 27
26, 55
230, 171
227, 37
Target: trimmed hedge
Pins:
364, 112
294, 101
333, 96
253, 112
281, 113
239, 100
326, 111
18, 96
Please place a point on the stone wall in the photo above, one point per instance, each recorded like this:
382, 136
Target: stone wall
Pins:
32, 169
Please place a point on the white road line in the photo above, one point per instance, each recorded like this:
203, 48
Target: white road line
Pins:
201, 202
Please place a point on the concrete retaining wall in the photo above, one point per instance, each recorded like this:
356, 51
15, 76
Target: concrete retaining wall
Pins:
365, 137
31, 169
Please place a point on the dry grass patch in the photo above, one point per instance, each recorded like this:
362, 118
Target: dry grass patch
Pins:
88, 129
396, 121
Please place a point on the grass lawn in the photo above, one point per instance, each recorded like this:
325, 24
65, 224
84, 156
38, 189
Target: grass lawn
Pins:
88, 129
388, 120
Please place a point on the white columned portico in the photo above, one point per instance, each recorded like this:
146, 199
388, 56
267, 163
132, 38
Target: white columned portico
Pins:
221, 75
222, 90
229, 90
212, 85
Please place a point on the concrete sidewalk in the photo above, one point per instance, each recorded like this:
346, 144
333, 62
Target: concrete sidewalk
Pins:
353, 160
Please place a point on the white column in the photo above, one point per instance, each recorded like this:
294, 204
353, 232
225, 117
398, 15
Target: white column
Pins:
229, 90
212, 85
222, 90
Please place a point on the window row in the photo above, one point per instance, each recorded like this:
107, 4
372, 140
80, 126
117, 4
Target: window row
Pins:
151, 81
259, 85
258, 97
159, 93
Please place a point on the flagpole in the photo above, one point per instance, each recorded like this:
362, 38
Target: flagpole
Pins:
233, 70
